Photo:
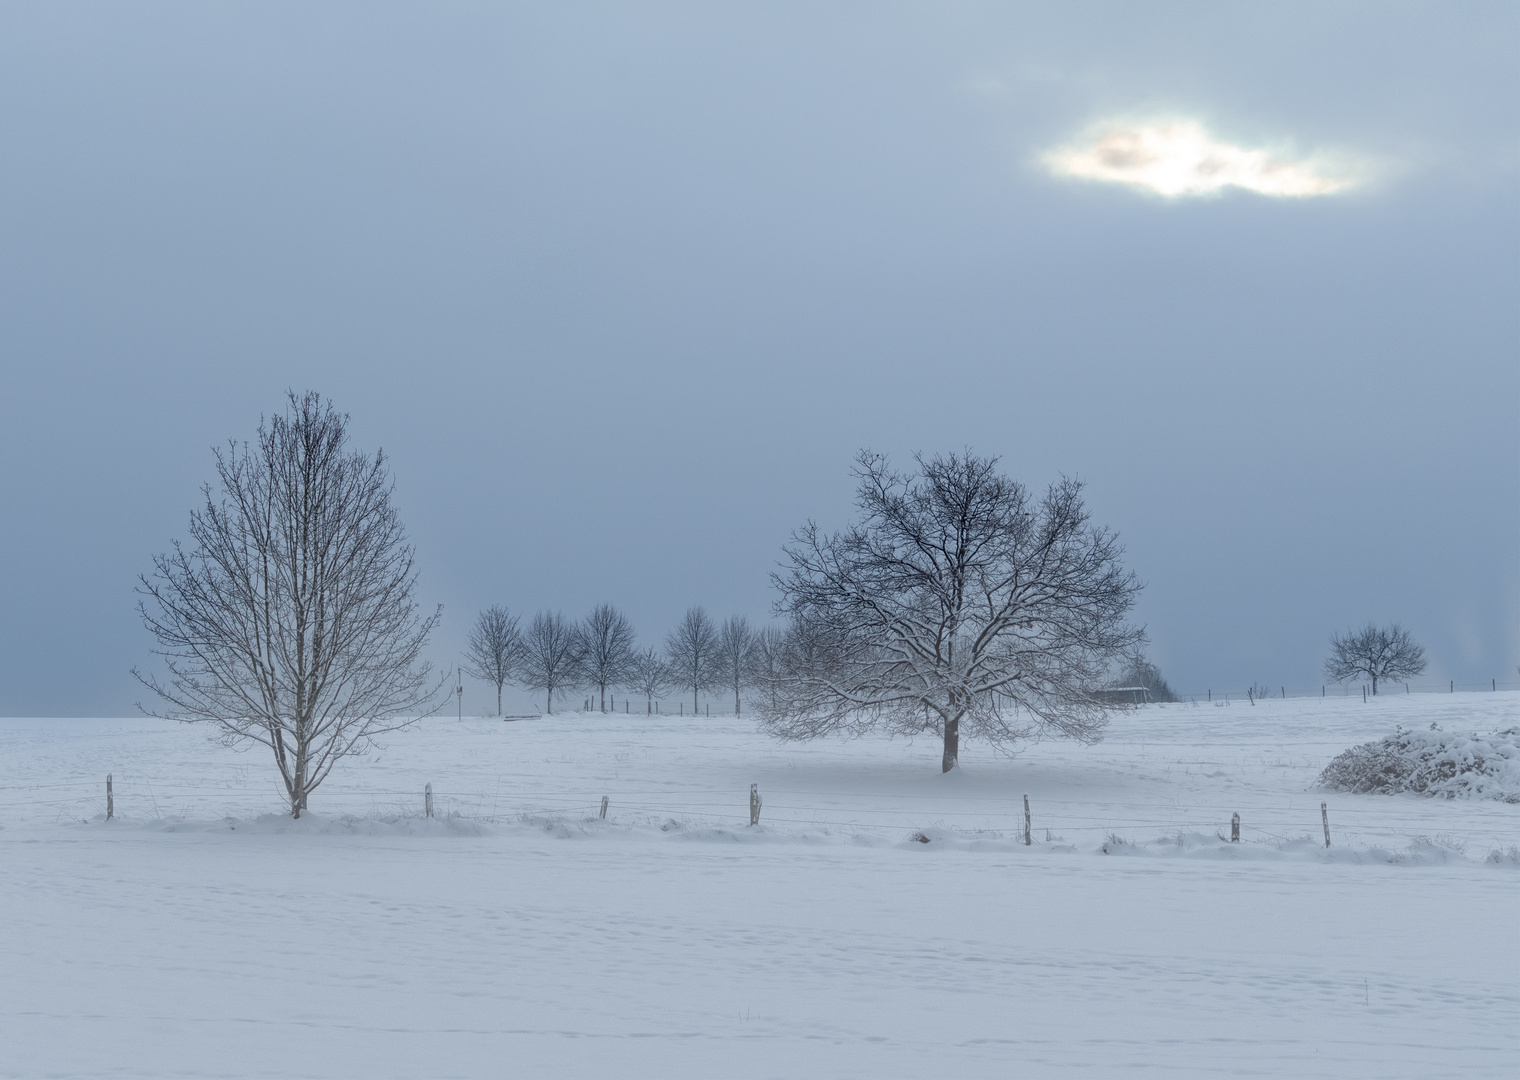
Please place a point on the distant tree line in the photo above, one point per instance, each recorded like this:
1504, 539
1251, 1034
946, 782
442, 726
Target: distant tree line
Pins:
556, 656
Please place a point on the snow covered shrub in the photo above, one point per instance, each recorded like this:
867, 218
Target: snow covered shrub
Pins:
1431, 763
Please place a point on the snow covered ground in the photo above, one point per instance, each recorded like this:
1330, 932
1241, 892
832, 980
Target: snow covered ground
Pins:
201, 933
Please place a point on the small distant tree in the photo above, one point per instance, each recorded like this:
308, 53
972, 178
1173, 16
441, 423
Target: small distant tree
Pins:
767, 657
289, 619
1139, 671
691, 653
1378, 653
736, 649
494, 649
551, 657
606, 645
649, 676
955, 603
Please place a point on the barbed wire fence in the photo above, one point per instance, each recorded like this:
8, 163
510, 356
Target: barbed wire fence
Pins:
1080, 824
1359, 691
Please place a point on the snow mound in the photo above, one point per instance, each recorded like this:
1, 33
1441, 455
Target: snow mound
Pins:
1433, 763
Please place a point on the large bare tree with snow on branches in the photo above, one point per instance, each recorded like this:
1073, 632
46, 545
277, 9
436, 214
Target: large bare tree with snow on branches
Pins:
494, 648
1378, 652
289, 619
956, 604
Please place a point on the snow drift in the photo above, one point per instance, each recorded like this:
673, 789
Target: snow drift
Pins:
1434, 763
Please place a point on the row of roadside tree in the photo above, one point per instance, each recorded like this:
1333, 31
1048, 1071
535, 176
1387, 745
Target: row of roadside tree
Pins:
555, 655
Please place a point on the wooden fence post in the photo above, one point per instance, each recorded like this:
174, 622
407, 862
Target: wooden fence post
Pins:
604, 808
110, 800
754, 804
427, 799
1027, 839
1234, 828
1324, 816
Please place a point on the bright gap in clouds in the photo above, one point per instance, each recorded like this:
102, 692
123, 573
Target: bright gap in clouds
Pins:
1180, 157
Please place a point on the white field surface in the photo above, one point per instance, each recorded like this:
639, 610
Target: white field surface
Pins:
201, 933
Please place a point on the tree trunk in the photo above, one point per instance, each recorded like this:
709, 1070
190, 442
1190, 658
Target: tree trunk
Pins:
736, 701
498, 699
298, 785
1374, 684
952, 745
694, 709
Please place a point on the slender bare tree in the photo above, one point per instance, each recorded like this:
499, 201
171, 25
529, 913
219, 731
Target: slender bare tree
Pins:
289, 620
606, 644
767, 657
649, 676
551, 659
1378, 652
494, 648
736, 649
955, 605
691, 652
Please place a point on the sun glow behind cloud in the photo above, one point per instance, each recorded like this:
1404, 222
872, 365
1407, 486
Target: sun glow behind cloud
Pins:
1179, 157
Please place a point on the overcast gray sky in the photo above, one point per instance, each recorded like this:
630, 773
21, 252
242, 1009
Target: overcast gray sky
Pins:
621, 290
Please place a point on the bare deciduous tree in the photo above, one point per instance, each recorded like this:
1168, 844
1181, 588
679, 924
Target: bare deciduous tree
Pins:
1378, 652
551, 659
954, 605
736, 648
494, 648
606, 641
767, 657
649, 676
691, 653
1139, 671
290, 620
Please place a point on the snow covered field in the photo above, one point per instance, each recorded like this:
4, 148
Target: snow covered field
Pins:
203, 934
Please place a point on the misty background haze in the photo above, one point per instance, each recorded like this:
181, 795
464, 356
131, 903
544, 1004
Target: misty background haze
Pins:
621, 291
